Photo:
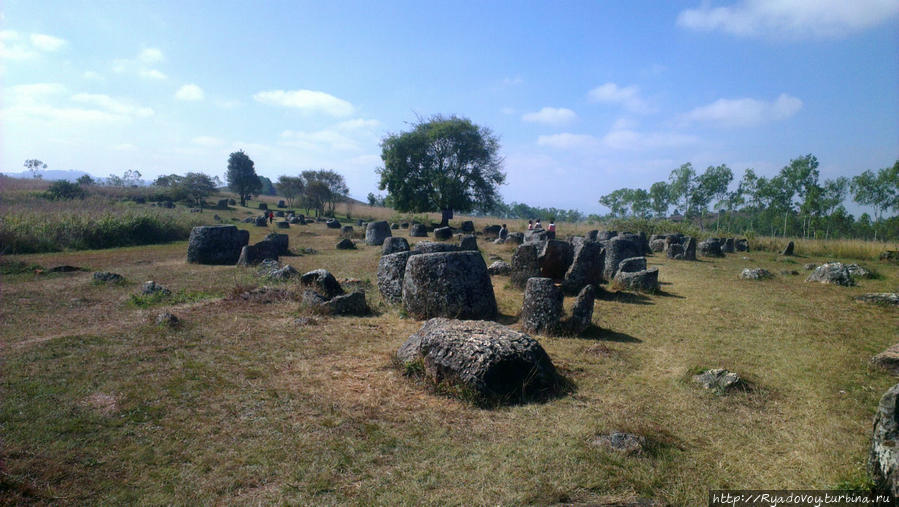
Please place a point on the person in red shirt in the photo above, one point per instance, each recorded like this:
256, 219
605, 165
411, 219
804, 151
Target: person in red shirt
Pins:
552, 225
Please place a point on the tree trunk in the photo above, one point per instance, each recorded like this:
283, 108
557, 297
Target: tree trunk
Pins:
446, 216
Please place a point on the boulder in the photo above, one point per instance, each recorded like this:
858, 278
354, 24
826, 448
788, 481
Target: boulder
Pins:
888, 359
728, 246
605, 235
391, 269
279, 214
260, 221
346, 304
675, 251
377, 232
710, 248
582, 311
485, 357
499, 268
883, 459
554, 258
657, 245
690, 249
281, 241
166, 319
332, 224
404, 225
222, 204
858, 272
593, 235
434, 247
282, 204
586, 267
346, 232
467, 226
535, 236
889, 255
880, 298
642, 281
617, 250
107, 277
394, 244
394, 226
418, 231
834, 272
448, 284
322, 282
216, 244
788, 250
283, 273
468, 242
809, 266
443, 233
515, 238
541, 311
719, 380
755, 274
254, 254
263, 205
346, 244
741, 245
524, 265
632, 264
492, 231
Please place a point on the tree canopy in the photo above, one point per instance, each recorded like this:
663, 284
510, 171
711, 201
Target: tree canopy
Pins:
241, 176
445, 164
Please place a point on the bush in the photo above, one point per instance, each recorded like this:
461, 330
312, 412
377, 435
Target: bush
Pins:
64, 190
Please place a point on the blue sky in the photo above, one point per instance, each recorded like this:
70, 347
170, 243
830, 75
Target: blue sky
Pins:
587, 97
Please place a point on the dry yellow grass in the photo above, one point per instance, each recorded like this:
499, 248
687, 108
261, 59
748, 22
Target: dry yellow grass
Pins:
240, 404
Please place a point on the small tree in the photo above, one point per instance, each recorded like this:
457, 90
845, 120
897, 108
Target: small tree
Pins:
85, 180
443, 164
332, 190
197, 186
35, 167
242, 178
290, 187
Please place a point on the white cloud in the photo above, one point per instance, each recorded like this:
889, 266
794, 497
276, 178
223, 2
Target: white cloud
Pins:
8, 35
627, 139
306, 100
790, 19
190, 92
34, 102
350, 135
550, 116
744, 112
627, 97
151, 55
565, 141
47, 43
152, 74
91, 75
112, 105
207, 141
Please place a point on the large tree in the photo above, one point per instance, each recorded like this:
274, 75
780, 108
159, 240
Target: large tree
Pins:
324, 189
197, 186
445, 164
242, 178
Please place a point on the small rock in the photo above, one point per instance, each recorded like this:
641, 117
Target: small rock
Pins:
755, 274
346, 244
881, 298
810, 266
888, 359
150, 287
166, 319
499, 268
719, 379
305, 321
625, 443
106, 276
834, 273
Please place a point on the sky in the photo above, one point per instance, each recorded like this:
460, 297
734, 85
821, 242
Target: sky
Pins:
586, 97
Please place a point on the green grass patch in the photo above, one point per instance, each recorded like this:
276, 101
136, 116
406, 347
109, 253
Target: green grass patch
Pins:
175, 298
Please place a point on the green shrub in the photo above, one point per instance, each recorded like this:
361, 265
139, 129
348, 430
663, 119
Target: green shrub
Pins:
64, 190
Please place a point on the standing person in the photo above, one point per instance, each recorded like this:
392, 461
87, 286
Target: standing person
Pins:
530, 225
537, 224
271, 217
551, 229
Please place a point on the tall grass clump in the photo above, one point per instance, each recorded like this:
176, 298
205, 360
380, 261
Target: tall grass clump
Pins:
22, 233
828, 248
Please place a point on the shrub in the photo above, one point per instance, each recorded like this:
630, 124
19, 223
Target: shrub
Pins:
64, 190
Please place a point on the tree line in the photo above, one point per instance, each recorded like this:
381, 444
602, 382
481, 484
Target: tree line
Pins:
795, 202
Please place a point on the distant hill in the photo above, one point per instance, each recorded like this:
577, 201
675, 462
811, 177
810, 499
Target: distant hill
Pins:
52, 175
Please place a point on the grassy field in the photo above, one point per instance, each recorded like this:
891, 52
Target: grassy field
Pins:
241, 404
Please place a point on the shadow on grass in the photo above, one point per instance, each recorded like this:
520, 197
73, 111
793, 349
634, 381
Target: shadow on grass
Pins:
624, 297
506, 320
597, 333
666, 294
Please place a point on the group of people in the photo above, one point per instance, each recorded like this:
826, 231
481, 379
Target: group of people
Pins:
532, 225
